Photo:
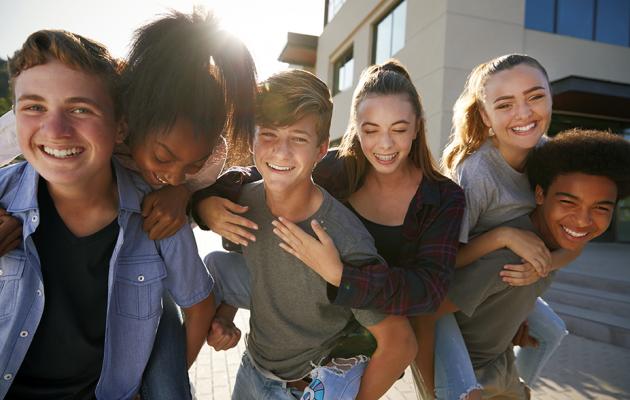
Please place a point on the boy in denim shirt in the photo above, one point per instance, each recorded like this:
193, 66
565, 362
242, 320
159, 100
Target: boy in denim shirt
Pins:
80, 298
293, 324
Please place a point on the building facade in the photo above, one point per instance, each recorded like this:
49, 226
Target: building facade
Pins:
583, 44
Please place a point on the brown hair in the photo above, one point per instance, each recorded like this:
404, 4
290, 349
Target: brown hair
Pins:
469, 132
286, 97
73, 50
183, 65
389, 78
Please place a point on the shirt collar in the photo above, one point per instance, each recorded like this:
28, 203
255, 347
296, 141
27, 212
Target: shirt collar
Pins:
131, 190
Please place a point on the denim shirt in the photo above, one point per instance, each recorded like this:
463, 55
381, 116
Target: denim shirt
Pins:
139, 271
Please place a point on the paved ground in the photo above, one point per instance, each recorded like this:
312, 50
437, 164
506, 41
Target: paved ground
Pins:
580, 369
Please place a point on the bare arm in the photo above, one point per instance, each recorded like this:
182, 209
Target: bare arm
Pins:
396, 349
197, 320
10, 232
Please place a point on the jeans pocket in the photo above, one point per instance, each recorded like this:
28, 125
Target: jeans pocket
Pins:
138, 286
11, 269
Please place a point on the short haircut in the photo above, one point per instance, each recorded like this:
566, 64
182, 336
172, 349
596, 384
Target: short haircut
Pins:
589, 152
286, 97
184, 66
75, 51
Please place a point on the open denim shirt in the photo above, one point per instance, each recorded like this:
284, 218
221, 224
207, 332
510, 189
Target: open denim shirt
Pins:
139, 271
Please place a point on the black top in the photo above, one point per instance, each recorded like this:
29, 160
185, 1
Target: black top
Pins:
65, 357
387, 239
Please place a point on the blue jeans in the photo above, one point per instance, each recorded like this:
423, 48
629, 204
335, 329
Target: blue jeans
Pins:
231, 278
454, 374
338, 380
252, 385
166, 374
549, 329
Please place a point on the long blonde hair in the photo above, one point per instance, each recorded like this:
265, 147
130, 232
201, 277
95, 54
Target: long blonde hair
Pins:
389, 78
469, 132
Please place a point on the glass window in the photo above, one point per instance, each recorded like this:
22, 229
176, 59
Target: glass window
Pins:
344, 71
613, 22
575, 18
540, 15
333, 8
390, 33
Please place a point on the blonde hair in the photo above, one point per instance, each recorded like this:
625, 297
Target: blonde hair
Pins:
389, 78
286, 97
469, 132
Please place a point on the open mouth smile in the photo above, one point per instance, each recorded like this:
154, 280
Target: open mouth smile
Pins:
385, 157
574, 234
280, 168
520, 130
62, 153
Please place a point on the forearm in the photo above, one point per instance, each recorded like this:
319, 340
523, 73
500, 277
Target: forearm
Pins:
479, 246
197, 321
561, 258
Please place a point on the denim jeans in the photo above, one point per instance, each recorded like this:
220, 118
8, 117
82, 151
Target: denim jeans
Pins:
549, 329
340, 379
454, 374
231, 278
166, 374
252, 385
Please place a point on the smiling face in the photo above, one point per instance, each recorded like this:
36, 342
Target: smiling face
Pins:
387, 127
65, 123
286, 156
166, 158
517, 106
576, 209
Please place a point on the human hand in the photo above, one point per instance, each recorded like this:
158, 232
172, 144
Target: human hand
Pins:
223, 334
522, 337
519, 274
530, 248
221, 216
164, 211
320, 253
10, 232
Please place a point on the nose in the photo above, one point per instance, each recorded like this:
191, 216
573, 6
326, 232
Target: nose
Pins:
583, 217
282, 147
523, 110
175, 176
56, 124
385, 140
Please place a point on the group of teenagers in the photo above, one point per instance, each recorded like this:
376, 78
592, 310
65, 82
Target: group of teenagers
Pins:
354, 262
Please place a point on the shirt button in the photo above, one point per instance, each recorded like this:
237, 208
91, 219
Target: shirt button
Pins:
34, 218
8, 377
23, 334
140, 278
39, 292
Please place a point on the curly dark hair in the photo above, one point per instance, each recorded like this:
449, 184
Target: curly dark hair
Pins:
589, 152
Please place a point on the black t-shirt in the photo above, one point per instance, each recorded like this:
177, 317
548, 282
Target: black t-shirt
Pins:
387, 239
65, 357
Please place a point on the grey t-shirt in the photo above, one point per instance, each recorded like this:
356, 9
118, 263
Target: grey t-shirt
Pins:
492, 310
292, 322
495, 192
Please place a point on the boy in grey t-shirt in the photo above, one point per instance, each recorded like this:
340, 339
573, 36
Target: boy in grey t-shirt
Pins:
577, 178
293, 325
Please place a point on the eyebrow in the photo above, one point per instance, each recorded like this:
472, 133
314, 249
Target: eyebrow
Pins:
400, 121
70, 100
565, 194
533, 89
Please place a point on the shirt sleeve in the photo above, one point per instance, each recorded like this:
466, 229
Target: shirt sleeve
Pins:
9, 148
477, 195
420, 283
188, 280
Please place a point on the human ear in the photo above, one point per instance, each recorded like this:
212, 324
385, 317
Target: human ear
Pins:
323, 149
121, 131
539, 194
484, 116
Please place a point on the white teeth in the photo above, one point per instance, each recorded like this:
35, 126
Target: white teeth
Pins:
385, 157
524, 128
574, 233
65, 153
279, 167
160, 179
